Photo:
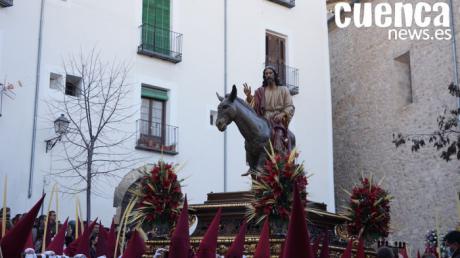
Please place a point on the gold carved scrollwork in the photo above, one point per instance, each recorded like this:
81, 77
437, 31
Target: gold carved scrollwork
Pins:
342, 232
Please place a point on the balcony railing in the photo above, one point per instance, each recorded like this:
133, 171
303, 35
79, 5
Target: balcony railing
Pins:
288, 76
160, 43
6, 3
157, 137
287, 3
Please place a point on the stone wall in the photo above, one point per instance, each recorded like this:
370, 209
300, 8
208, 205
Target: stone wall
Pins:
368, 106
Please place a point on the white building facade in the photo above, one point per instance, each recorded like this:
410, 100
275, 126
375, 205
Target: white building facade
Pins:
204, 46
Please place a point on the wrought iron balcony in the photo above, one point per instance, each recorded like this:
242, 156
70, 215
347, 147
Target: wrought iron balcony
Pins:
160, 43
6, 3
287, 3
157, 137
288, 76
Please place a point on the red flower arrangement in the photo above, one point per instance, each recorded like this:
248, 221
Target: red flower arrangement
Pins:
369, 211
273, 187
159, 196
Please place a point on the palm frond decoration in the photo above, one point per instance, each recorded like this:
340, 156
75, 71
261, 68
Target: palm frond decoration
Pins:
159, 195
272, 188
369, 210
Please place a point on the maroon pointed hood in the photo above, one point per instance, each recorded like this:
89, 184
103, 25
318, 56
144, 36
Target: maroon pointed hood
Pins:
208, 244
263, 246
297, 243
12, 244
83, 245
180, 240
57, 245
101, 247
136, 246
111, 240
72, 248
360, 253
30, 242
325, 247
236, 250
347, 252
403, 252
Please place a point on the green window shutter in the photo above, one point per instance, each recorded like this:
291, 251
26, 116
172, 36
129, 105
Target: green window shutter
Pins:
156, 25
154, 93
162, 14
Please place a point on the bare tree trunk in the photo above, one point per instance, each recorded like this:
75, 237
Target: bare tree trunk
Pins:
88, 184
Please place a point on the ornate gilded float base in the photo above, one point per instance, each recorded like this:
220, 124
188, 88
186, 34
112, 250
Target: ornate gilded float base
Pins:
234, 205
223, 243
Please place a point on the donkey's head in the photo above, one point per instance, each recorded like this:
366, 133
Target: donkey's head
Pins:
226, 111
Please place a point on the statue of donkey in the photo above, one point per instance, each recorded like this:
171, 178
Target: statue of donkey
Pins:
256, 130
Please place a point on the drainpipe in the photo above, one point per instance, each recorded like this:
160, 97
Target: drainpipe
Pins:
454, 45
225, 92
37, 87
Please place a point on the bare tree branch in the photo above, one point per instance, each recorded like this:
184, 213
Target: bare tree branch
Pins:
94, 145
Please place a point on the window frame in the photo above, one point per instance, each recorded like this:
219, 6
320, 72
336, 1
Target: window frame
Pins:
162, 97
150, 117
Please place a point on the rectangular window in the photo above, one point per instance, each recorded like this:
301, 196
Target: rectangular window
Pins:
404, 79
212, 117
72, 85
56, 81
6, 3
152, 115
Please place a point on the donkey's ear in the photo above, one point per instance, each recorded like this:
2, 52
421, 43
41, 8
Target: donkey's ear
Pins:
219, 97
233, 93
